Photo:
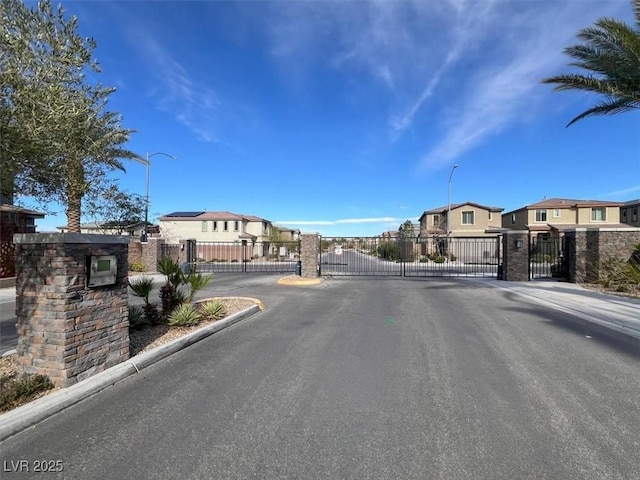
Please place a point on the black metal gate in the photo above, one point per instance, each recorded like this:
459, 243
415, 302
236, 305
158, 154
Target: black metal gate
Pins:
411, 256
247, 257
547, 257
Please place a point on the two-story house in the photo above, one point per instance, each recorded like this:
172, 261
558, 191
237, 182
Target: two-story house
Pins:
214, 227
551, 217
468, 219
629, 213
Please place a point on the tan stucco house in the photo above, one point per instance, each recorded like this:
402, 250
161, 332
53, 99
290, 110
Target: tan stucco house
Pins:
555, 215
630, 213
220, 226
468, 219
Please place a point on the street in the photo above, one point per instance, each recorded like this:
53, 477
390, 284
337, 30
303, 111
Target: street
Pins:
380, 378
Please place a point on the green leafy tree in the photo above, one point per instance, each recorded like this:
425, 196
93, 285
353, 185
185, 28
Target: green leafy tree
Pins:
114, 207
58, 140
610, 53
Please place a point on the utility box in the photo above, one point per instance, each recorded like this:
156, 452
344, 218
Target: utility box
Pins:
102, 270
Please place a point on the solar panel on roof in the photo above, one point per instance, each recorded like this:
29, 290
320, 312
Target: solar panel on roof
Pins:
184, 214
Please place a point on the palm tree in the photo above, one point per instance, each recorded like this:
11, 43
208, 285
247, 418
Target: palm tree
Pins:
610, 52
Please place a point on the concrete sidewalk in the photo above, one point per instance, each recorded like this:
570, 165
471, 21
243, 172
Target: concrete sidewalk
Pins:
613, 312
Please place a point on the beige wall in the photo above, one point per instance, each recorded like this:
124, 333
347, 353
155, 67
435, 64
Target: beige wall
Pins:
480, 221
612, 216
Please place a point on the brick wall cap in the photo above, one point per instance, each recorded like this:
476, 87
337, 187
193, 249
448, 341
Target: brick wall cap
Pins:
69, 238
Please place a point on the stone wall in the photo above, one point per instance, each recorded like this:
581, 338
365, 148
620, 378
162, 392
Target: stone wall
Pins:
67, 330
586, 249
515, 262
148, 253
309, 255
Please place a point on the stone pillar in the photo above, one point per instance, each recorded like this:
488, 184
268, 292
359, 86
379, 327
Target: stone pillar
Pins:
66, 329
309, 254
515, 251
152, 252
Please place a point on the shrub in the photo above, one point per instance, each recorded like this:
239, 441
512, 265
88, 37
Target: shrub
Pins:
438, 259
15, 390
136, 318
213, 310
424, 259
137, 267
185, 315
196, 282
234, 260
453, 258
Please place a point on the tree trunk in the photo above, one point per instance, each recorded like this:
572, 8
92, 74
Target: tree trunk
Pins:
75, 191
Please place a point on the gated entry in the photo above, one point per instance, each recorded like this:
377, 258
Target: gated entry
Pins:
247, 257
410, 256
547, 257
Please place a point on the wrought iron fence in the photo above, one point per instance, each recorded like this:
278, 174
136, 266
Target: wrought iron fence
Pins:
247, 257
411, 256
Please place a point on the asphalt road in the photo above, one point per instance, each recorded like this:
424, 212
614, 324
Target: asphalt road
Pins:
378, 378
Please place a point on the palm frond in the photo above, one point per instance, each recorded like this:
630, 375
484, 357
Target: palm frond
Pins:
611, 107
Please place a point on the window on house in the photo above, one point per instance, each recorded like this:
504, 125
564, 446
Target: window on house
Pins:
541, 215
467, 218
598, 214
634, 214
556, 213
225, 226
203, 227
236, 226
490, 216
436, 219
513, 218
215, 225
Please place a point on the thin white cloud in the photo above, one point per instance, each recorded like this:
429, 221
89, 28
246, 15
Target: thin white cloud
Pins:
352, 221
507, 89
623, 192
194, 105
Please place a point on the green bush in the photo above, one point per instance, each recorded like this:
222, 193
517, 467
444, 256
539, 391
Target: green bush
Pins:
424, 259
137, 267
453, 258
136, 318
185, 315
213, 310
15, 390
438, 259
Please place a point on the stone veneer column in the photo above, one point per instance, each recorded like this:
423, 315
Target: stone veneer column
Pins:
309, 255
66, 330
152, 252
515, 251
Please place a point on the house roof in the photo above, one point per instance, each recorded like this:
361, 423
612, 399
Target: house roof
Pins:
216, 215
444, 209
567, 203
6, 208
632, 202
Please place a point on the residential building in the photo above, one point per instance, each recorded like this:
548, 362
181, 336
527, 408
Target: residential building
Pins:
553, 216
468, 219
131, 229
219, 226
13, 220
630, 213
286, 234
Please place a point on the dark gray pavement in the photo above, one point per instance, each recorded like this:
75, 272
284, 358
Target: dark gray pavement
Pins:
366, 378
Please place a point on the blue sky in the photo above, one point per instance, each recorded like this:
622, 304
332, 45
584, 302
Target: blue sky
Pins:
346, 117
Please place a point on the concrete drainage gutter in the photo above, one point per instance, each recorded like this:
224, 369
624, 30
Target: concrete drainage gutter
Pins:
21, 418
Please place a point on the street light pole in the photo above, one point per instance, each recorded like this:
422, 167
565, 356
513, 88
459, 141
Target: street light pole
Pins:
144, 236
449, 205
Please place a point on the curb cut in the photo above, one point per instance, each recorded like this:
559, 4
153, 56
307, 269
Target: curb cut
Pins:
26, 416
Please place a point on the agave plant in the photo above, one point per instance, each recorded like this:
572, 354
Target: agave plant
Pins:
213, 309
185, 315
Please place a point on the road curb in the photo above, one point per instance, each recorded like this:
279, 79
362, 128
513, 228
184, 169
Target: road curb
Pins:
26, 416
299, 281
